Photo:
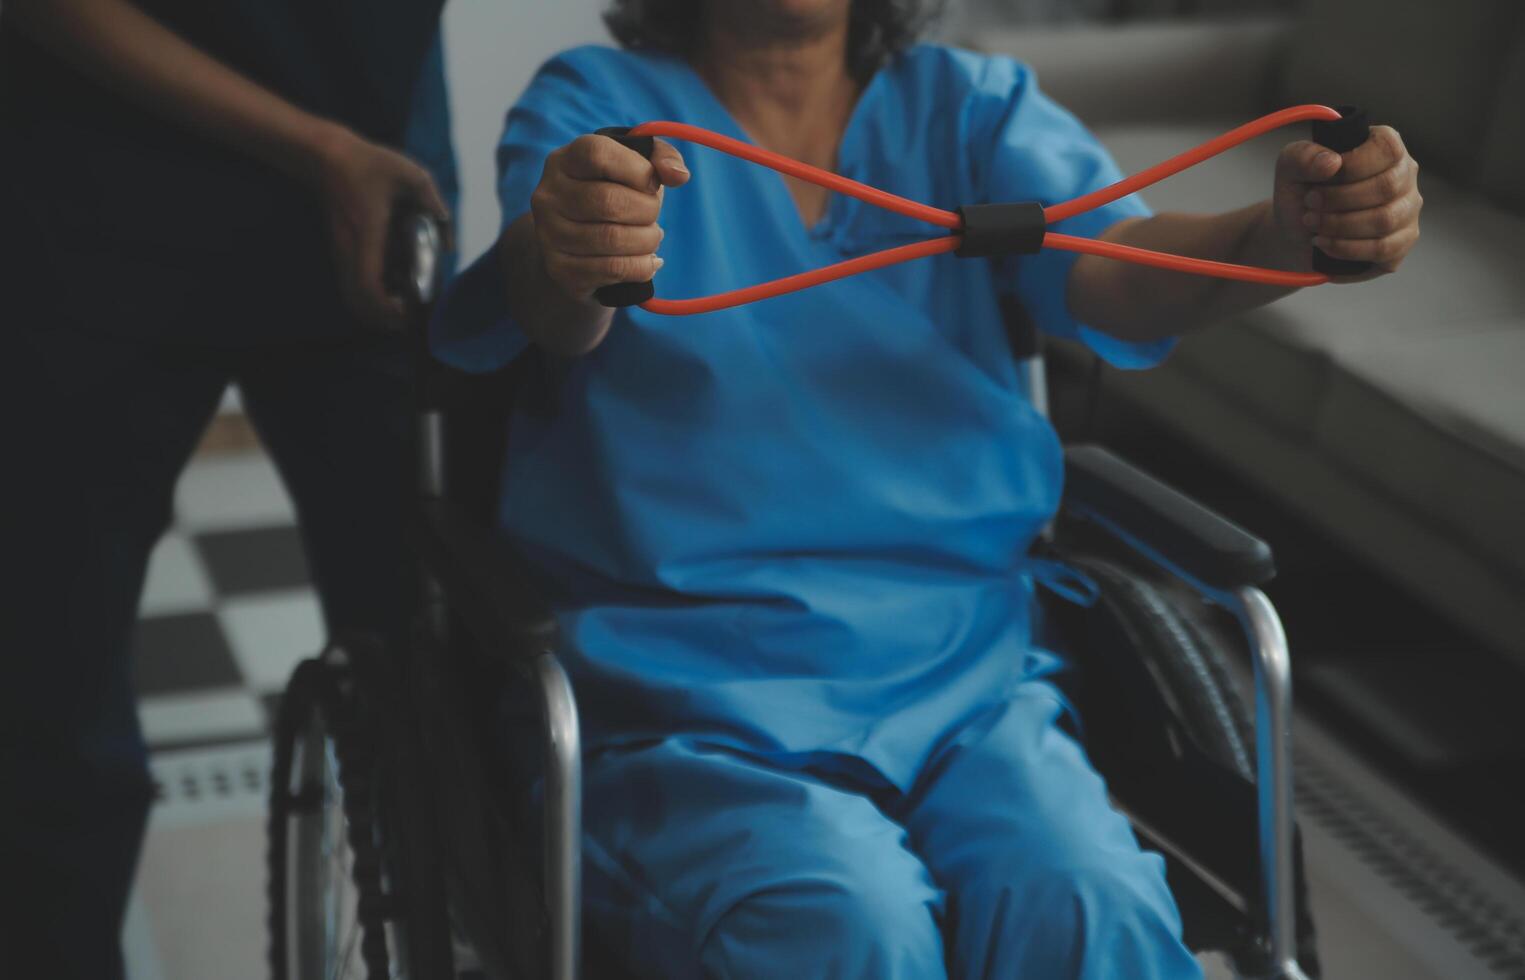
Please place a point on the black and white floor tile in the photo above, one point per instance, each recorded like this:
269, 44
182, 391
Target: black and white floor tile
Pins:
228, 609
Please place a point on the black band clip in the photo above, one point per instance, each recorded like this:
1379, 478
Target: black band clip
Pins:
1015, 228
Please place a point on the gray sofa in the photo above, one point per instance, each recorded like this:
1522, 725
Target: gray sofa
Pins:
1390, 415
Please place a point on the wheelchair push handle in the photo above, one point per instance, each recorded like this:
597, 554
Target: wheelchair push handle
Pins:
627, 293
415, 242
1341, 135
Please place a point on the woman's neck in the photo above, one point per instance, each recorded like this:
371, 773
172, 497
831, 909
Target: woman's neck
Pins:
788, 87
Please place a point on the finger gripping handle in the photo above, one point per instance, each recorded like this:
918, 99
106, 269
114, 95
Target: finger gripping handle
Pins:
627, 293
1341, 135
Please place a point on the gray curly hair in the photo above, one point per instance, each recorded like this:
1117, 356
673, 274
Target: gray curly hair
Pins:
877, 29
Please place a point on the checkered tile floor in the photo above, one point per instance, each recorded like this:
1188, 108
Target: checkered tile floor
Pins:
228, 608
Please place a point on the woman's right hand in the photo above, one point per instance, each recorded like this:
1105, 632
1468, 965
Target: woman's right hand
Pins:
595, 213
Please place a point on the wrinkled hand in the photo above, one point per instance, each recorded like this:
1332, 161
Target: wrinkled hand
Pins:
1370, 213
595, 212
361, 183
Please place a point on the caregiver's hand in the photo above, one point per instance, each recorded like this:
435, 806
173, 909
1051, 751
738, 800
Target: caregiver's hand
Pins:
132, 53
595, 213
361, 183
1369, 213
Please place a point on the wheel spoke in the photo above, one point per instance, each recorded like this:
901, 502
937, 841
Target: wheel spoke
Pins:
333, 848
327, 937
349, 950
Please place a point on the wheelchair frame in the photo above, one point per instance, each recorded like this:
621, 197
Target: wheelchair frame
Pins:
1217, 560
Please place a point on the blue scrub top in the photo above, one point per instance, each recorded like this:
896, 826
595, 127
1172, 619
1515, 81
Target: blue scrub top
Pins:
797, 527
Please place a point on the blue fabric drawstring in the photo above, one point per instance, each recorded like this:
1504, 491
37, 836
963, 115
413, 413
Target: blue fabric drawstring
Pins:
1064, 580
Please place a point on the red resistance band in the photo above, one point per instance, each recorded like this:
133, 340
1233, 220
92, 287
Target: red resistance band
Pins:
1012, 225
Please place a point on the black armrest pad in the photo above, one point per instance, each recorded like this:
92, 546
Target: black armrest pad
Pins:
1163, 522
486, 585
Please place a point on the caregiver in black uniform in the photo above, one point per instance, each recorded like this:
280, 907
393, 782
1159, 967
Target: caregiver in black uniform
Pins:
192, 193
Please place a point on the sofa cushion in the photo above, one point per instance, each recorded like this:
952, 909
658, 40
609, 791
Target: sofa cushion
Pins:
1428, 68
1231, 180
1502, 170
1438, 422
1466, 267
1277, 357
1172, 69
1411, 384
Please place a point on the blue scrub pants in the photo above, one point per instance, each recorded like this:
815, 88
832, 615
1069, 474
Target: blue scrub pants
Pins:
1004, 860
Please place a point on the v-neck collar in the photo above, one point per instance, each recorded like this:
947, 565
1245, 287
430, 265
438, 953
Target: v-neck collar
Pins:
846, 161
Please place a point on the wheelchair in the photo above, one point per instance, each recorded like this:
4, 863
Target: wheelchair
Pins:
411, 835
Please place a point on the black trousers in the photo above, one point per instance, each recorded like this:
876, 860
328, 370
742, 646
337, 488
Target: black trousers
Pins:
97, 431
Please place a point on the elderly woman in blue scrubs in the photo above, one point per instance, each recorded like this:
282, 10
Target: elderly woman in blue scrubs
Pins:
787, 540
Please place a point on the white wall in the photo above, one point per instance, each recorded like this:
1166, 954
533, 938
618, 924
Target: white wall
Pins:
492, 47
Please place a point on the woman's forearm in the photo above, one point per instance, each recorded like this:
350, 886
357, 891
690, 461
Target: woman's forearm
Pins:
1137, 302
124, 48
555, 321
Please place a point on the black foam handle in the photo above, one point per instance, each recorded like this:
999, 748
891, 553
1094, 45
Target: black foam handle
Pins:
1341, 135
627, 293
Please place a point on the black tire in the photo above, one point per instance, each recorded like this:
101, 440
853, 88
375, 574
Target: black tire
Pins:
345, 913
1193, 673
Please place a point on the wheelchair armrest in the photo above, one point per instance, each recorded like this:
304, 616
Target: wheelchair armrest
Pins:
1163, 524
485, 583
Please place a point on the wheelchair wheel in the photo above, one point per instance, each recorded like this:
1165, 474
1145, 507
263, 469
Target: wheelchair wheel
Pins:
1192, 674
337, 907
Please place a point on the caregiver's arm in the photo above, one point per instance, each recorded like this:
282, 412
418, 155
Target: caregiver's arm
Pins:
1372, 215
127, 50
592, 222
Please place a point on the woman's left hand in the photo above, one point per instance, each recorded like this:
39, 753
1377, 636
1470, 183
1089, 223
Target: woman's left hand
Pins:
1370, 213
